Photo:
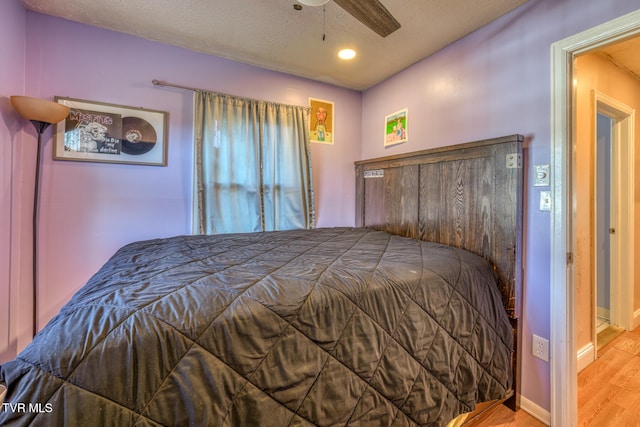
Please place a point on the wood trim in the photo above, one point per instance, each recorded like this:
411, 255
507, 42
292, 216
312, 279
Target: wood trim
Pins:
425, 155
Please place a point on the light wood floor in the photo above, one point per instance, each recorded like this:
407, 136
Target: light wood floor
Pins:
609, 388
503, 416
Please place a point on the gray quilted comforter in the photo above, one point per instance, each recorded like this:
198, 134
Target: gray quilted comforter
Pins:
295, 328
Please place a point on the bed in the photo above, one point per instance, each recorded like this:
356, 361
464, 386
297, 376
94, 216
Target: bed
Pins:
367, 325
467, 196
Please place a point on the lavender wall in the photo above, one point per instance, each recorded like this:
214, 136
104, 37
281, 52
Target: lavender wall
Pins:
12, 142
88, 210
495, 82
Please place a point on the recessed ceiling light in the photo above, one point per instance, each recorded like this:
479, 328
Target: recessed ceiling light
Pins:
314, 2
347, 54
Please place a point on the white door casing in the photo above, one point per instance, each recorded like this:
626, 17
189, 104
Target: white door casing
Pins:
563, 347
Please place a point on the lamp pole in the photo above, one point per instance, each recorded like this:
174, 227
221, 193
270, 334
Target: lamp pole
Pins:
40, 128
41, 113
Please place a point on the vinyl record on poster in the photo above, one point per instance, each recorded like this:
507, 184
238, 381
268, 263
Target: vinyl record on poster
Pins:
138, 136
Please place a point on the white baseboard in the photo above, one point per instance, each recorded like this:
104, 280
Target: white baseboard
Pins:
535, 411
586, 355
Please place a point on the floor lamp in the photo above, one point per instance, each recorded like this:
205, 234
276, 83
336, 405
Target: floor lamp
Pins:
41, 113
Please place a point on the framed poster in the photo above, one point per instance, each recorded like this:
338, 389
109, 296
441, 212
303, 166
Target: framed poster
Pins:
110, 133
395, 128
321, 128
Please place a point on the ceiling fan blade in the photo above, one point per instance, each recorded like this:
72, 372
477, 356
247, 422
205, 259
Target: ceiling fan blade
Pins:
371, 13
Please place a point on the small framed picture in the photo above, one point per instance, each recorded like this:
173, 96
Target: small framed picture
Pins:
110, 133
321, 123
396, 128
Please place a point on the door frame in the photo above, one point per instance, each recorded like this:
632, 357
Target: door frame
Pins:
564, 379
603, 195
622, 214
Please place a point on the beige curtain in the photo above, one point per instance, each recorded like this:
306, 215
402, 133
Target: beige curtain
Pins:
252, 165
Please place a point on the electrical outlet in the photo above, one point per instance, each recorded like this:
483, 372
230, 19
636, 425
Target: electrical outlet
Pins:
540, 348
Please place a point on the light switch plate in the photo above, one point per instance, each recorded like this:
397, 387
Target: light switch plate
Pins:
545, 200
541, 178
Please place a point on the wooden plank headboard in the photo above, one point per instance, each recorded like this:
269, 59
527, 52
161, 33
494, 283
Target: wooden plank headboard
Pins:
468, 196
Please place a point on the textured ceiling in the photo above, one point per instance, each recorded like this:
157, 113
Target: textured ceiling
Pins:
271, 34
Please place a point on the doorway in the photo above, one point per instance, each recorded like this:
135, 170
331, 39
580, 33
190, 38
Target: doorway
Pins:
604, 228
613, 143
600, 168
564, 400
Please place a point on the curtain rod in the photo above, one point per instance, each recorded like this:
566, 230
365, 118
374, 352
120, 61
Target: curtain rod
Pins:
157, 82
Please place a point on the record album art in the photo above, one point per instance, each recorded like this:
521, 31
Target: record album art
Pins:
110, 133
138, 136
